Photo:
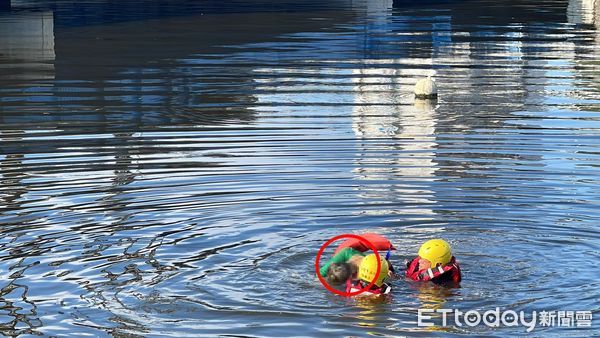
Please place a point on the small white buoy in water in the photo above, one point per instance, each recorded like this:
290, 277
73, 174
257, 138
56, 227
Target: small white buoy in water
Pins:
426, 89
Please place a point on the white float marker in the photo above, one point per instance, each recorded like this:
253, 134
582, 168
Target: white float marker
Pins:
426, 89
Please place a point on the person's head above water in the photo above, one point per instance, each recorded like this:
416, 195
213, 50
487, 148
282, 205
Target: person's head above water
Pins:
338, 273
433, 253
368, 269
435, 263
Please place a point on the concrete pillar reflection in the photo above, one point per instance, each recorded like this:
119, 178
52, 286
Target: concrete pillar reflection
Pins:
582, 11
27, 39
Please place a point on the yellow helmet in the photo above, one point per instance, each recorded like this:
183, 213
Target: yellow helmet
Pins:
368, 268
436, 251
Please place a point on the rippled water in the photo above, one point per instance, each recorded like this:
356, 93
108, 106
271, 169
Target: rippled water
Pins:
173, 170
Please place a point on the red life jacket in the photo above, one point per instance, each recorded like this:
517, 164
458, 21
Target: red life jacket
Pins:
374, 290
441, 274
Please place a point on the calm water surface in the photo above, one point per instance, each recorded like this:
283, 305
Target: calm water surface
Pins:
172, 168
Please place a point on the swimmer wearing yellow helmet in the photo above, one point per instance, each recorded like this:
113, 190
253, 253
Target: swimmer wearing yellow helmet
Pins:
345, 265
367, 274
435, 263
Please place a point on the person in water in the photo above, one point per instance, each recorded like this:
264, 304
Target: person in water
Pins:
342, 266
345, 265
367, 275
434, 263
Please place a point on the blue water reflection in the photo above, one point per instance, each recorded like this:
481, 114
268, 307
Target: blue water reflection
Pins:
173, 170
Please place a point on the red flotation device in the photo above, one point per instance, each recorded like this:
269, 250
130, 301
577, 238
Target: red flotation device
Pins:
441, 274
380, 243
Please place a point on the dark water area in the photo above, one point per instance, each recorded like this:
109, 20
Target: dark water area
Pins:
171, 168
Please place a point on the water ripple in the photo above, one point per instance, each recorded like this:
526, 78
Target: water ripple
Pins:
164, 182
